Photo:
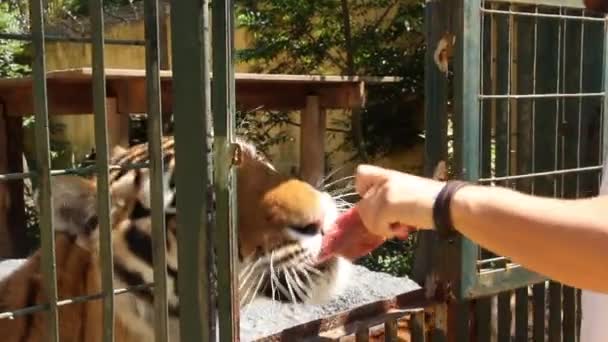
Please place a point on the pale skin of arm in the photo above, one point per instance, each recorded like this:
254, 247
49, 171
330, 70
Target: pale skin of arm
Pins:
566, 240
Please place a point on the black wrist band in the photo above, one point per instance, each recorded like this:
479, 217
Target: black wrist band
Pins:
441, 208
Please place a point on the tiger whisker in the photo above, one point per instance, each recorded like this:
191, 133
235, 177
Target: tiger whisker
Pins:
333, 172
312, 269
246, 295
256, 289
349, 187
251, 269
300, 285
337, 181
272, 276
345, 195
288, 281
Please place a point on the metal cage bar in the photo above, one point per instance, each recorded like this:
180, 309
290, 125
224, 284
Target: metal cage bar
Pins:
191, 85
157, 200
467, 119
223, 104
43, 167
102, 156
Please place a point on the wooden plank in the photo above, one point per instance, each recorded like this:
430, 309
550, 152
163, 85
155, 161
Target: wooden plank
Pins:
118, 73
70, 93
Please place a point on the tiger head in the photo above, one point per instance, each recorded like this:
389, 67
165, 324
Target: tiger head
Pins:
281, 221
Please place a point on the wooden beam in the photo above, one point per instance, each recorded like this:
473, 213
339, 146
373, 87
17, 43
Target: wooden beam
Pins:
70, 92
312, 142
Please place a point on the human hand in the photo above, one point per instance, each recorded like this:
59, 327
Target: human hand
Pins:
391, 200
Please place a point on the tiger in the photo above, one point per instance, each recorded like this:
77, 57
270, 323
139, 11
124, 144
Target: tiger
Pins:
281, 220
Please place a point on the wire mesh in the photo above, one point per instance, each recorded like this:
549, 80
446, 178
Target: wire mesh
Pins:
541, 102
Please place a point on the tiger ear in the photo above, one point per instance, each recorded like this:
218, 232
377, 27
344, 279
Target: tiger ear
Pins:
74, 206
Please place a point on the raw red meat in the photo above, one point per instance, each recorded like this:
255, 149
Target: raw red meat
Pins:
349, 238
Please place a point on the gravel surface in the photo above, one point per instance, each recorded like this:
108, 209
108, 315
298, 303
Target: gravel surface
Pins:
9, 265
263, 317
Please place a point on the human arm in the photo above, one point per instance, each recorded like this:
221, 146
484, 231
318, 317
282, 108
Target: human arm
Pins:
566, 240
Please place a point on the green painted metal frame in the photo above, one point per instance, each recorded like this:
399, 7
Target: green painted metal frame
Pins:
102, 156
467, 137
157, 200
43, 167
605, 106
224, 107
192, 110
459, 268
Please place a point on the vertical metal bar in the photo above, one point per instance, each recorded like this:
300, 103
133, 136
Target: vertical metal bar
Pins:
504, 316
467, 90
555, 312
438, 331
545, 110
191, 112
155, 127
580, 107
560, 56
486, 117
435, 113
538, 298
102, 161
591, 119
521, 314
508, 151
501, 86
483, 319
417, 327
362, 335
223, 111
43, 167
523, 83
391, 331
569, 311
604, 147
572, 76
533, 128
